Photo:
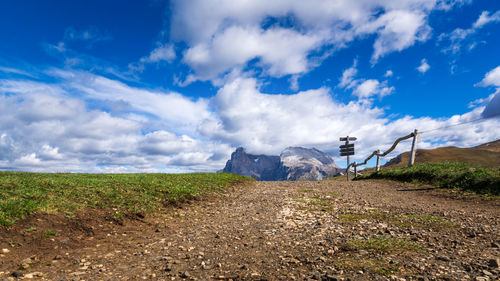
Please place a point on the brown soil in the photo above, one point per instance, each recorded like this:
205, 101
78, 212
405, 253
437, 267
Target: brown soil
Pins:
270, 231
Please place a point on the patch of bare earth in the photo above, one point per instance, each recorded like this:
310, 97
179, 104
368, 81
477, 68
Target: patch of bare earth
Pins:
370, 230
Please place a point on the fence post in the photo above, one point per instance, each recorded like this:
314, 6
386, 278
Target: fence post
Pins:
413, 148
355, 170
348, 169
378, 161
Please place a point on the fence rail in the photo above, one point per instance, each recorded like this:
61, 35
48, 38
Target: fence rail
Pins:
377, 153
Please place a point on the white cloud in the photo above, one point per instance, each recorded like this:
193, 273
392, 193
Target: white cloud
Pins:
56, 127
265, 123
398, 30
424, 66
71, 125
372, 87
281, 51
294, 82
268, 123
485, 18
50, 153
457, 37
15, 71
166, 143
347, 79
286, 37
388, 73
179, 111
448, 4
364, 88
492, 78
28, 160
160, 53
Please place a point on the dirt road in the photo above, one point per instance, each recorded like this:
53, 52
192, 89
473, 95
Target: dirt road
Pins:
330, 230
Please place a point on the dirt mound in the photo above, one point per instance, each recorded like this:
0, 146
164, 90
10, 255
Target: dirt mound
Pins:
41, 238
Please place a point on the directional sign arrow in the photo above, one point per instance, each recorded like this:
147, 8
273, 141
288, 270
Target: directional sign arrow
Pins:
347, 146
350, 139
346, 153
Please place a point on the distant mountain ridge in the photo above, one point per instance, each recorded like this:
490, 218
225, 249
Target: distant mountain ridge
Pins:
294, 163
485, 155
260, 167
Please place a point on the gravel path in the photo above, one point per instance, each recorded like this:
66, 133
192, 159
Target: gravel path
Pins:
329, 230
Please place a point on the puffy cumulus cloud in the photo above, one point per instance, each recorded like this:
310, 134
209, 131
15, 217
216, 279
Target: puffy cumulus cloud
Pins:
285, 37
66, 126
364, 88
265, 123
45, 128
397, 30
166, 143
88, 123
268, 123
281, 51
161, 53
179, 112
459, 36
367, 88
424, 66
372, 87
492, 78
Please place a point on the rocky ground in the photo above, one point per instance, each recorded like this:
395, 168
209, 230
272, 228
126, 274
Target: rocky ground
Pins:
329, 230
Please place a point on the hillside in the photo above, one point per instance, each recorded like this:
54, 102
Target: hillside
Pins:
485, 155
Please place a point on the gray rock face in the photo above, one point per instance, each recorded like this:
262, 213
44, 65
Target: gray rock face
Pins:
260, 167
294, 163
307, 164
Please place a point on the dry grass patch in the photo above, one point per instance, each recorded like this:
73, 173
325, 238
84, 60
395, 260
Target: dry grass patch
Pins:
407, 220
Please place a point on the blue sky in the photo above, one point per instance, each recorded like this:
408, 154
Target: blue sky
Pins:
176, 86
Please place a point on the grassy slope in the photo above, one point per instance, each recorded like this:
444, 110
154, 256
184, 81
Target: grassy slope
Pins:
445, 175
25, 193
485, 155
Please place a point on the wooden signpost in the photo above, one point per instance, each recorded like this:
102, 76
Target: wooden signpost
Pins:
347, 150
413, 148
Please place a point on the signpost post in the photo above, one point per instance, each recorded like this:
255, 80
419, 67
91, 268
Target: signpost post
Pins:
346, 150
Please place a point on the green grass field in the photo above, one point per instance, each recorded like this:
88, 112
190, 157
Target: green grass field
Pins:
25, 193
445, 175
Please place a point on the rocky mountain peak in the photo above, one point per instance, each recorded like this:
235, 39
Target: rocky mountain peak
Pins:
260, 167
294, 163
307, 154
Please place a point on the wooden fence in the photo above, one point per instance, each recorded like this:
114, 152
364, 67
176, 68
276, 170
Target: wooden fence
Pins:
377, 153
